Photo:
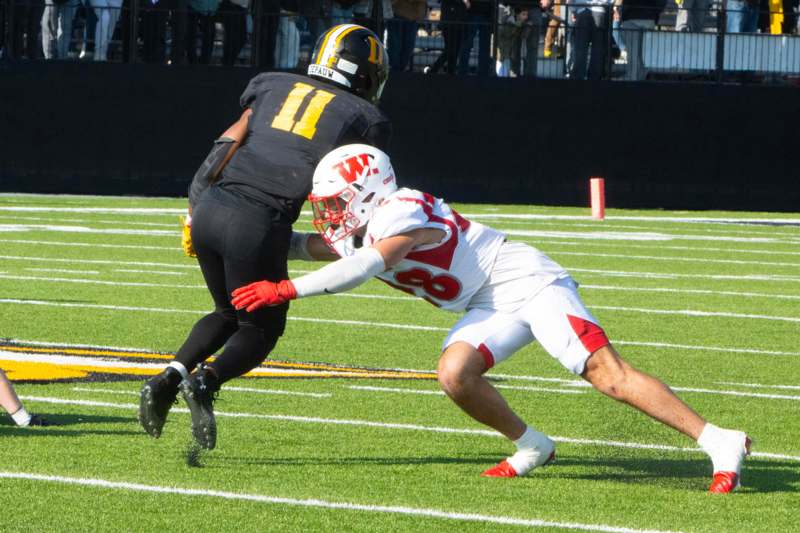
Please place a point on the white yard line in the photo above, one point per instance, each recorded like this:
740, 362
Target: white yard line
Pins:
227, 388
280, 392
639, 236
661, 246
192, 266
662, 275
62, 271
94, 245
395, 389
695, 313
164, 272
16, 228
321, 504
103, 282
759, 385
158, 211
378, 324
737, 294
395, 425
627, 257
54, 220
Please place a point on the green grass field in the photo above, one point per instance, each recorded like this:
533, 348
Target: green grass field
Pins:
94, 292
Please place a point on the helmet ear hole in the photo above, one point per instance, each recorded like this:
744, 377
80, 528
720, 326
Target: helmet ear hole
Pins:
367, 199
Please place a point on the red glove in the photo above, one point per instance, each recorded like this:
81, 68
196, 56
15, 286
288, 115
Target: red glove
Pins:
261, 293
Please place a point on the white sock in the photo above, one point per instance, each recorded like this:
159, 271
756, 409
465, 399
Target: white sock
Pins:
533, 449
22, 418
180, 368
726, 447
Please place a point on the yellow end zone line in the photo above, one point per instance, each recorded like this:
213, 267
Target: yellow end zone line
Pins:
49, 370
157, 355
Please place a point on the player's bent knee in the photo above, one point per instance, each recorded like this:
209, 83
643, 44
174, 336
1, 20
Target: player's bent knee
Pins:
607, 372
459, 365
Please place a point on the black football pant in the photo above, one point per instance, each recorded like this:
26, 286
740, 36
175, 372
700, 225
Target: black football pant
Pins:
238, 241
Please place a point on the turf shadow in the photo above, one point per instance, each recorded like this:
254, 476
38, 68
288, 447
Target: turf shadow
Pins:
759, 475
359, 461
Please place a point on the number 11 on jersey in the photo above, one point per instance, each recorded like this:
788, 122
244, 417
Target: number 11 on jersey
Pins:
307, 125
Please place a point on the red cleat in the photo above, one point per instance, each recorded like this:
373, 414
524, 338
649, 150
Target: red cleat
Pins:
504, 469
724, 482
501, 470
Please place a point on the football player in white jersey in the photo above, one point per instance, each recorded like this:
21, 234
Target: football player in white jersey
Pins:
512, 293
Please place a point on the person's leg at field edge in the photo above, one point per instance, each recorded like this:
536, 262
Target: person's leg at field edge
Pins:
10, 402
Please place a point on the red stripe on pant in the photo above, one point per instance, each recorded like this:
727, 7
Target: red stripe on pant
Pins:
591, 335
488, 358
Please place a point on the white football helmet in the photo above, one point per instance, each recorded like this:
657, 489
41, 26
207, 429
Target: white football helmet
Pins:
348, 184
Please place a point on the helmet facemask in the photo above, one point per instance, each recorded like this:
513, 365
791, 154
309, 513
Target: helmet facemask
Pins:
349, 183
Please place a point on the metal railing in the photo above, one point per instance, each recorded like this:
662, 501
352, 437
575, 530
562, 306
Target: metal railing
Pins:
728, 40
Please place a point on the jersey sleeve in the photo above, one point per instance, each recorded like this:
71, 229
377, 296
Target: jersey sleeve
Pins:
378, 135
251, 92
395, 217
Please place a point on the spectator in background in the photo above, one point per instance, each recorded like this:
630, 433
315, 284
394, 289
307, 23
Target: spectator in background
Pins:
10, 402
23, 40
265, 32
479, 18
89, 27
555, 12
372, 14
691, 15
452, 16
741, 16
153, 26
107, 12
342, 11
638, 16
314, 13
591, 34
287, 45
233, 14
402, 31
201, 18
57, 27
517, 28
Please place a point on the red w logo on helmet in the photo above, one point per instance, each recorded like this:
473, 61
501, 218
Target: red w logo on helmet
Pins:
353, 167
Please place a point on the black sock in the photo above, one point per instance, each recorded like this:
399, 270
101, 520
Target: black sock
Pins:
245, 350
208, 335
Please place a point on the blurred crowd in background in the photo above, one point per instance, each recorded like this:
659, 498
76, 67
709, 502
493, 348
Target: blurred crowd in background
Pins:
580, 39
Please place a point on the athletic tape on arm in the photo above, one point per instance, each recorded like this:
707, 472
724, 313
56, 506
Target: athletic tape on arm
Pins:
342, 275
210, 169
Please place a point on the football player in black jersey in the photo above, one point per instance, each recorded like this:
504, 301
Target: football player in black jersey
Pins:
244, 199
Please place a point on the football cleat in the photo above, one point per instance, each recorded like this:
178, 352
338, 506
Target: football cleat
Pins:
37, 420
200, 392
504, 468
725, 481
155, 400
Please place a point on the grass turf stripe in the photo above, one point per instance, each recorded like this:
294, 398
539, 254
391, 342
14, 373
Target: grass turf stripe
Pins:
345, 506
401, 426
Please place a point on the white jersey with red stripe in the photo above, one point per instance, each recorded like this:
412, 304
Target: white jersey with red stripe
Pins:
447, 273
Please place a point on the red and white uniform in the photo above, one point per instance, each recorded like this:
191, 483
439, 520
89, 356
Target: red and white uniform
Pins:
448, 273
513, 293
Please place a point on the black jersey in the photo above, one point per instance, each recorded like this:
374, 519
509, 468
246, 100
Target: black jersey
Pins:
296, 120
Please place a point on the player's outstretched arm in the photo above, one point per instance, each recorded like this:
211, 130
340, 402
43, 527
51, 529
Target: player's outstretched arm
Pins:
340, 276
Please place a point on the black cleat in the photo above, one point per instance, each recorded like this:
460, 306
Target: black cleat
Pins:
200, 391
37, 420
155, 400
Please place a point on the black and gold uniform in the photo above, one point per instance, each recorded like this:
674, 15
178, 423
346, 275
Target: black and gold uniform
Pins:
244, 200
295, 122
